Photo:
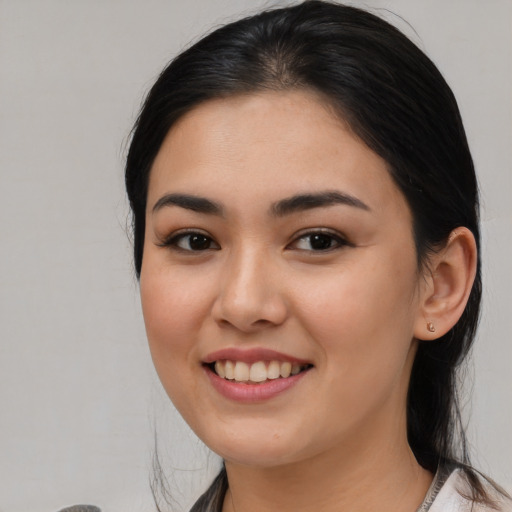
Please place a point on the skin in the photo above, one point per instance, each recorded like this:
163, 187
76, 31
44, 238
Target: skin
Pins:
337, 439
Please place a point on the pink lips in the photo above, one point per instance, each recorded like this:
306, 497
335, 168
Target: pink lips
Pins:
251, 393
250, 356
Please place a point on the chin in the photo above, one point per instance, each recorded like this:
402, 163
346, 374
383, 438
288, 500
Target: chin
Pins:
263, 446
256, 456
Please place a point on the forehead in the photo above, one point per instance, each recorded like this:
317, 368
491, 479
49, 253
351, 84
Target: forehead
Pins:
267, 146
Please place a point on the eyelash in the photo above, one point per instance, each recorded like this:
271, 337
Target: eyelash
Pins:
336, 241
173, 240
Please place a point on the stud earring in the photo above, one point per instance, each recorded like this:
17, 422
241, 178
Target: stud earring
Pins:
431, 327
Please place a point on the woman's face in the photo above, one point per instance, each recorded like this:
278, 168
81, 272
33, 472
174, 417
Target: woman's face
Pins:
276, 241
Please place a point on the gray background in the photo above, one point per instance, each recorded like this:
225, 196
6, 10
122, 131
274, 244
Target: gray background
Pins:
78, 397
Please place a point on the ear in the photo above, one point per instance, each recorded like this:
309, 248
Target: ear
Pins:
447, 284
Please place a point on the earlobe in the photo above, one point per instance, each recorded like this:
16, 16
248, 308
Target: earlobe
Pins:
448, 284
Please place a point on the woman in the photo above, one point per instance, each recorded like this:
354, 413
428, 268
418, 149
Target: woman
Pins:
305, 216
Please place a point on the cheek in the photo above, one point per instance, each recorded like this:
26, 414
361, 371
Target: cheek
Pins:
173, 304
363, 328
353, 301
362, 318
173, 311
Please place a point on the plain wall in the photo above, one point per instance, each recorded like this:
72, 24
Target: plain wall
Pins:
78, 396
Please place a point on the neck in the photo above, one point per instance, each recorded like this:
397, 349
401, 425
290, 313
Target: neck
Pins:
369, 476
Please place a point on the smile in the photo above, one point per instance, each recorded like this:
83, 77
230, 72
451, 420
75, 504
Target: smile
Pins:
253, 375
257, 372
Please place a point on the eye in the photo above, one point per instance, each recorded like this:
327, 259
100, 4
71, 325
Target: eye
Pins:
191, 241
318, 242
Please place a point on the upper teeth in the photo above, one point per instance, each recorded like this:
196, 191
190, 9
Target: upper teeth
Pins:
256, 372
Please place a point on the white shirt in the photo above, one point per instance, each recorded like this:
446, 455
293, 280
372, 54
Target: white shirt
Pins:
450, 497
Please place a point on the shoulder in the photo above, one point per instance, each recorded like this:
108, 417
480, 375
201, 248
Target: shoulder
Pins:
455, 494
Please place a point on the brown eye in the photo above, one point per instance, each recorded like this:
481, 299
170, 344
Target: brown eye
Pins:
321, 242
197, 242
192, 242
318, 242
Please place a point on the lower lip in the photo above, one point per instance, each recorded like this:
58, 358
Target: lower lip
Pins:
251, 393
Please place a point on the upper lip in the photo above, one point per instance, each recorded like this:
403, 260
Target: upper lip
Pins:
251, 355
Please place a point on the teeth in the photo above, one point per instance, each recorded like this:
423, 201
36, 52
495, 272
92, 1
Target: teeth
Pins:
241, 372
295, 369
286, 369
229, 370
274, 370
256, 372
219, 369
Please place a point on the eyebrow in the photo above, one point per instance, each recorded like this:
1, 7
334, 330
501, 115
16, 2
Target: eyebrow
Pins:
303, 202
189, 202
294, 204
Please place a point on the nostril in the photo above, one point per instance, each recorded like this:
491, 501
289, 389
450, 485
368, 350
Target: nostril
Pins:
262, 322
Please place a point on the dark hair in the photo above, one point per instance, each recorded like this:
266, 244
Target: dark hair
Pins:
394, 99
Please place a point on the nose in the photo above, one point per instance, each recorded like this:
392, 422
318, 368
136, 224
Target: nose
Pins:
250, 294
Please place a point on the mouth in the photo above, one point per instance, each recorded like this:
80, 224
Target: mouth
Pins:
258, 372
